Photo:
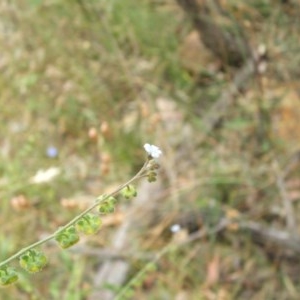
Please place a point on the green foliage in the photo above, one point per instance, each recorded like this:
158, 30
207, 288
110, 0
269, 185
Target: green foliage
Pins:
146, 24
263, 6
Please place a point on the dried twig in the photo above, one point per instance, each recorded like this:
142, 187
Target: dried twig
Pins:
265, 235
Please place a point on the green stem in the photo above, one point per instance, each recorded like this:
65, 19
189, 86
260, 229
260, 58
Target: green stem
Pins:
74, 220
122, 293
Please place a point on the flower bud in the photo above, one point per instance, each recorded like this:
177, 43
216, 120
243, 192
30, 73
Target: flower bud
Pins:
107, 205
105, 130
93, 134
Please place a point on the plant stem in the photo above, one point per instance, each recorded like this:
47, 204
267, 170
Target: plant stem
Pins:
75, 219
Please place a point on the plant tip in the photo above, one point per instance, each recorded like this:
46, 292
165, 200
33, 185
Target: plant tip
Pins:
153, 150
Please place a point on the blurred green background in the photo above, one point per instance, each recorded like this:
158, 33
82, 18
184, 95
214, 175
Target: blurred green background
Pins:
84, 84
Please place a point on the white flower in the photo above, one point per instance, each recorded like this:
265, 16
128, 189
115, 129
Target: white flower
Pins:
153, 150
45, 175
175, 228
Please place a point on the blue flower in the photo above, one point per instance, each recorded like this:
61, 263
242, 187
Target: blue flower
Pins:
52, 152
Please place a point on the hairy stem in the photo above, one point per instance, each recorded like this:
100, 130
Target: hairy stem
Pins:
98, 201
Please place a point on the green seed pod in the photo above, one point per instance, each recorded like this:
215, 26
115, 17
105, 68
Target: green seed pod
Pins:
129, 192
8, 276
107, 206
89, 224
33, 261
67, 238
